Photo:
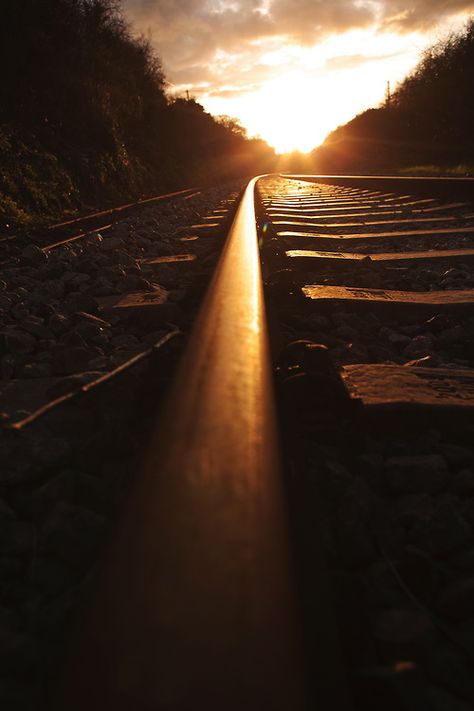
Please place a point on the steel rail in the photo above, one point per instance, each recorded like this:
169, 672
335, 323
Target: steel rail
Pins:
195, 607
119, 209
93, 222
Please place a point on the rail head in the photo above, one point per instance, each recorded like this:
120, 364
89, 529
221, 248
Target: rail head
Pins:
194, 606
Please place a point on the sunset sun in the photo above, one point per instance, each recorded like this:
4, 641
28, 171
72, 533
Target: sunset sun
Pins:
284, 115
293, 96
289, 74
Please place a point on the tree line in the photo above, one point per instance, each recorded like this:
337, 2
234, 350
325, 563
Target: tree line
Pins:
85, 118
427, 121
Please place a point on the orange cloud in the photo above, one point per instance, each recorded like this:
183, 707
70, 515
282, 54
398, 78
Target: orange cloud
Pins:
189, 34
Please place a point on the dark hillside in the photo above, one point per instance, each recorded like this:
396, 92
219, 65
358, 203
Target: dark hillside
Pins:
84, 118
429, 119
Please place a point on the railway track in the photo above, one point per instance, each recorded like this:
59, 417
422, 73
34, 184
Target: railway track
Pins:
373, 298
68, 231
299, 532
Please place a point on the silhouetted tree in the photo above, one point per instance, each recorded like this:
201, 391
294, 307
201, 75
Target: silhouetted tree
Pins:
77, 87
429, 118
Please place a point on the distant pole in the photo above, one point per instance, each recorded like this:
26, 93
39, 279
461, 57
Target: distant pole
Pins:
388, 95
187, 95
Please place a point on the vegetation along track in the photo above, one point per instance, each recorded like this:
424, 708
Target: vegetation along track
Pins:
338, 576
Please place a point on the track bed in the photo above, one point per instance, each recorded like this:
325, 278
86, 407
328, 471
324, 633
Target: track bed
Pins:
375, 375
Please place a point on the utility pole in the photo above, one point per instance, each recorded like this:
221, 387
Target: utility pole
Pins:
187, 94
388, 95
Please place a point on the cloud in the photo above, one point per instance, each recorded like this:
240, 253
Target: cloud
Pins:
238, 77
218, 45
189, 27
231, 92
306, 21
420, 15
352, 61
191, 31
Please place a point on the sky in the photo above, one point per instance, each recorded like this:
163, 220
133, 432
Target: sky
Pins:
291, 70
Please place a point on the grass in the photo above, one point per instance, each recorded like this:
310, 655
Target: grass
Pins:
34, 186
38, 187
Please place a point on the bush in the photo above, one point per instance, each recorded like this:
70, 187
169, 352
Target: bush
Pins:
87, 102
429, 118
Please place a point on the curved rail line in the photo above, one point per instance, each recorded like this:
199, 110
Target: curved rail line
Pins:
196, 604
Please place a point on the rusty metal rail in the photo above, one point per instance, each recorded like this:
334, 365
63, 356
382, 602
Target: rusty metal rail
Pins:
79, 227
195, 606
120, 209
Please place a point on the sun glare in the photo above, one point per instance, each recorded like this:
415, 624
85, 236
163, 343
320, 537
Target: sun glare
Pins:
285, 114
315, 89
